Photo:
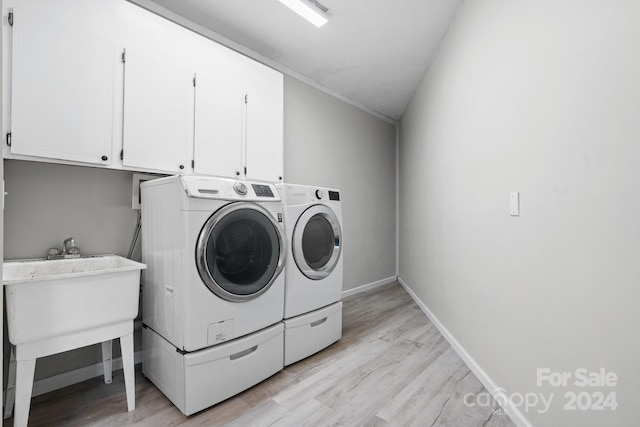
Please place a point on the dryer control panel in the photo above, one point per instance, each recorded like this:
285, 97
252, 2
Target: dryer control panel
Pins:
293, 194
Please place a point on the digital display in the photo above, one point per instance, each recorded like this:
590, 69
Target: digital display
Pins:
262, 190
334, 195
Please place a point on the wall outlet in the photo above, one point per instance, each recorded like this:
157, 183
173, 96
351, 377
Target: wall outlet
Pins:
514, 203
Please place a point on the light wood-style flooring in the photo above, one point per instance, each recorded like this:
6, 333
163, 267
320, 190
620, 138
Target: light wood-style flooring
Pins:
391, 368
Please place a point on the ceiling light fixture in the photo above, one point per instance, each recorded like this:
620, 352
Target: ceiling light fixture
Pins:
310, 10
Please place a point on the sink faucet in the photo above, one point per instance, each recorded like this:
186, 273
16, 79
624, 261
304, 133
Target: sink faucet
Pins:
69, 250
68, 244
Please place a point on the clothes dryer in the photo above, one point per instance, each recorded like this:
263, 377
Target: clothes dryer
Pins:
313, 226
215, 250
313, 275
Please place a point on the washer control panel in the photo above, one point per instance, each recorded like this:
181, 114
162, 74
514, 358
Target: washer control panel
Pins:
227, 189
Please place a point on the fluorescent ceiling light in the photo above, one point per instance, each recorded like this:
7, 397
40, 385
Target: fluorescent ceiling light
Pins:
312, 11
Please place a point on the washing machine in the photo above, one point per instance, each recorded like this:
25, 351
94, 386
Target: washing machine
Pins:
213, 292
313, 274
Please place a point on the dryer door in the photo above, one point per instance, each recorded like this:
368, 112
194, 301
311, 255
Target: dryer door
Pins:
317, 242
240, 251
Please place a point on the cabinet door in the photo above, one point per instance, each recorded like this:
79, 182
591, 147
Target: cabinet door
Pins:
62, 92
264, 142
219, 128
158, 114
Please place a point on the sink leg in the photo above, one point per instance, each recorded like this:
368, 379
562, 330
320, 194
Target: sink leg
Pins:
126, 345
107, 361
10, 397
24, 387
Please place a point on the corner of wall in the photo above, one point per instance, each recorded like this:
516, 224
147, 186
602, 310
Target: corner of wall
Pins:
496, 391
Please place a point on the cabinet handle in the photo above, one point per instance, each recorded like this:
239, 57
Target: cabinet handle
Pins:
280, 178
181, 166
237, 172
105, 158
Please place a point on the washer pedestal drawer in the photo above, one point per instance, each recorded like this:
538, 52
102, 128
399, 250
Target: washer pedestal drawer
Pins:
309, 333
200, 379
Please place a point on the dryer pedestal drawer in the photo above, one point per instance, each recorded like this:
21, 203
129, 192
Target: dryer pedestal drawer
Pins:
200, 379
309, 333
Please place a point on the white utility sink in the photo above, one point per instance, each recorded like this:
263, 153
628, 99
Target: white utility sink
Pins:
50, 298
58, 305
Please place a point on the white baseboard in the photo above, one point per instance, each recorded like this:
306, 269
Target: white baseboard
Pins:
368, 286
65, 379
514, 413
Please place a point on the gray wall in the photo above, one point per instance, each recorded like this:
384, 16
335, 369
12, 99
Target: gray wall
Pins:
327, 143
332, 144
541, 98
47, 203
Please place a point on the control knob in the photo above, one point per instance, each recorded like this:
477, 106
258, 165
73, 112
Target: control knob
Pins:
240, 188
319, 194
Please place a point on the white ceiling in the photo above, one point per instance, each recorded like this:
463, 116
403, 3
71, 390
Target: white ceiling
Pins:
371, 52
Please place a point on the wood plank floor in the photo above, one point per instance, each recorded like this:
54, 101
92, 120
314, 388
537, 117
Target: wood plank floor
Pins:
391, 368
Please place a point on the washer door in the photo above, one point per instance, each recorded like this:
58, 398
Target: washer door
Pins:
317, 242
240, 251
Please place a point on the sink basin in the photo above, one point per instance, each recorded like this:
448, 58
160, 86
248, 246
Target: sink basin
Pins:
49, 298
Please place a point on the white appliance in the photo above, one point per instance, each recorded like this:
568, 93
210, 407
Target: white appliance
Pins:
214, 250
312, 307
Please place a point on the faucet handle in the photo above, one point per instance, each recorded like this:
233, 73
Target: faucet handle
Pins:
53, 252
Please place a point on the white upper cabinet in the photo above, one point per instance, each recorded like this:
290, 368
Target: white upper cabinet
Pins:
62, 91
176, 103
238, 117
238, 130
219, 128
158, 113
264, 146
265, 122
235, 114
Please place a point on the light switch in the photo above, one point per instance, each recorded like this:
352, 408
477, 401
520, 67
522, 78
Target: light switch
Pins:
514, 203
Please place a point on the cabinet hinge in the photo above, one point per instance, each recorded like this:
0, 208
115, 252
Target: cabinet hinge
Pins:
9, 139
121, 154
124, 56
10, 19
246, 98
